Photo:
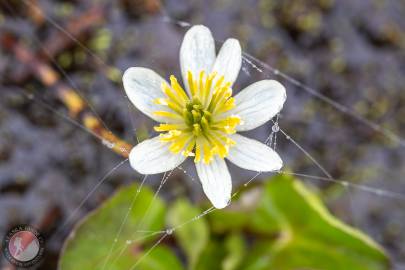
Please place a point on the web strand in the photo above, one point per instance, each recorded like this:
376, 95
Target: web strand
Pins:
338, 106
256, 63
146, 214
118, 234
63, 30
88, 195
368, 189
262, 68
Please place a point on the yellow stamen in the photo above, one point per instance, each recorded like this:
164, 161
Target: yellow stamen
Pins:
178, 89
171, 96
207, 88
170, 136
168, 127
201, 86
197, 152
161, 101
208, 153
197, 125
192, 84
188, 151
179, 143
167, 114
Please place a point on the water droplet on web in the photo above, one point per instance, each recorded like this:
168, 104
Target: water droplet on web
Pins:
183, 24
345, 184
169, 231
288, 137
276, 72
244, 69
275, 127
379, 192
108, 143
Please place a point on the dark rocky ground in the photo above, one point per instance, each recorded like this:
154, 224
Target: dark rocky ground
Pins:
350, 51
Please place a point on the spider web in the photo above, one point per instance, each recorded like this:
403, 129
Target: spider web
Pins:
273, 134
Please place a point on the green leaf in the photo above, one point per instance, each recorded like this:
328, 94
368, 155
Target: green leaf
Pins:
90, 243
235, 247
193, 236
160, 258
229, 219
212, 256
307, 235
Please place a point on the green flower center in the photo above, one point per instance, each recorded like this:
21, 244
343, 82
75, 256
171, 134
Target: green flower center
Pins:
197, 118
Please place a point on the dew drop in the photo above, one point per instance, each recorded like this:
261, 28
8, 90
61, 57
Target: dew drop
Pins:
183, 24
244, 69
275, 127
169, 231
108, 143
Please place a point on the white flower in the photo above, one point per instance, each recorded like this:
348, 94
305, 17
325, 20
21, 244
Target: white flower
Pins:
203, 120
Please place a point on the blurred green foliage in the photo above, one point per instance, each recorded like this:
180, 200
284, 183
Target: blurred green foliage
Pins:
280, 226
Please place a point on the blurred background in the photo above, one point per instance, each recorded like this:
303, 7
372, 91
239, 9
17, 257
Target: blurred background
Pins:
61, 62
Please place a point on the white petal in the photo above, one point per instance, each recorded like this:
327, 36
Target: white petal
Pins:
253, 155
143, 86
216, 181
258, 103
153, 156
229, 60
197, 52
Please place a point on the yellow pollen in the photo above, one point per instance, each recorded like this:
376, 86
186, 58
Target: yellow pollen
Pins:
196, 121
